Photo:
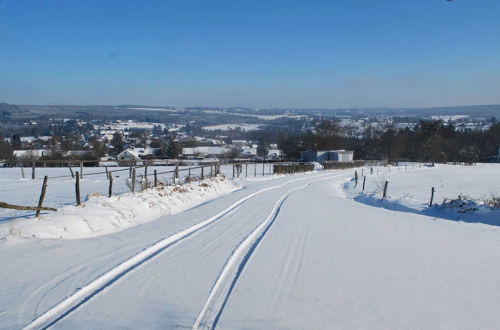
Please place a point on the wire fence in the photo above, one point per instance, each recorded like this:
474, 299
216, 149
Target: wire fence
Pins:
19, 193
71, 185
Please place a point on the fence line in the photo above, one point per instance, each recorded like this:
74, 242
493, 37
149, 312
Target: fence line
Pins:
193, 172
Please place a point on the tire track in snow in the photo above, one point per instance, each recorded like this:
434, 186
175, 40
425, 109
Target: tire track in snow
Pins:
88, 291
226, 281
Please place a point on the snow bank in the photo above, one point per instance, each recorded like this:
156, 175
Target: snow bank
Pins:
100, 215
61, 190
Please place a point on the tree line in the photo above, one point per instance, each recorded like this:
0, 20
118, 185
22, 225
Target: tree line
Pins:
428, 141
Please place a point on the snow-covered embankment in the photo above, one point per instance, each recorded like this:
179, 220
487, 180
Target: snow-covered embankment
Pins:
100, 215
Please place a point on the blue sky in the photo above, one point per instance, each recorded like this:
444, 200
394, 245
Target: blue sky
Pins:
336, 53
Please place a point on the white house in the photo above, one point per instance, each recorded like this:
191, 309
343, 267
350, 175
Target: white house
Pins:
136, 153
249, 152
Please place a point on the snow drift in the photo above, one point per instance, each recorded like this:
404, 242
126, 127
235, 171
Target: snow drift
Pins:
100, 215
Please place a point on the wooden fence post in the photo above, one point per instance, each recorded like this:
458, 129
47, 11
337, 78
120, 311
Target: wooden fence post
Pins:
177, 171
364, 181
246, 170
156, 178
385, 189
202, 172
132, 186
81, 169
130, 171
42, 195
110, 191
107, 173
233, 171
432, 196
146, 171
77, 188
33, 170
356, 178
189, 174
255, 170
263, 168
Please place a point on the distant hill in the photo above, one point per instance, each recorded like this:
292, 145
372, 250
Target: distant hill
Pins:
133, 111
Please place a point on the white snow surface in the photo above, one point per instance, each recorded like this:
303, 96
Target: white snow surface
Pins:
100, 215
409, 190
61, 186
284, 252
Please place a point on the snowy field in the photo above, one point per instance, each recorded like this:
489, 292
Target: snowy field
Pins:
281, 252
61, 187
409, 190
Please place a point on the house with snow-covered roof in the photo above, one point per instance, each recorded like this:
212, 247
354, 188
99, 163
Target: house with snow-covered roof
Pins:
132, 154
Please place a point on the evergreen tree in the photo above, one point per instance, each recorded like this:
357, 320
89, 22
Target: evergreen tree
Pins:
173, 149
117, 143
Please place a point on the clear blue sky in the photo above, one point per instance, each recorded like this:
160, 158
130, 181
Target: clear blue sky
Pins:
335, 53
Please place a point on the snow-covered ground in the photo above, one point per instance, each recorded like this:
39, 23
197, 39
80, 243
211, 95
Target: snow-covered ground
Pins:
61, 187
100, 215
409, 190
283, 252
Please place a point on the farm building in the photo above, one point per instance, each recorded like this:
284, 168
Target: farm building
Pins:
342, 156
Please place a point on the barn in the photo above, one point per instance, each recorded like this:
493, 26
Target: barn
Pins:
342, 156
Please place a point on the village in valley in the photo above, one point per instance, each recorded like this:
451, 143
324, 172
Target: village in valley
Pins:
33, 133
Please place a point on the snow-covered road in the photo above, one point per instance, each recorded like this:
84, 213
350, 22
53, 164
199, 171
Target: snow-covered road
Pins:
286, 253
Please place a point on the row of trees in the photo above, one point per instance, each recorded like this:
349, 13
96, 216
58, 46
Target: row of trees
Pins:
433, 141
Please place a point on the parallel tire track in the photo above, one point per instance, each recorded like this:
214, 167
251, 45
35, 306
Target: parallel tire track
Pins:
88, 291
226, 281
